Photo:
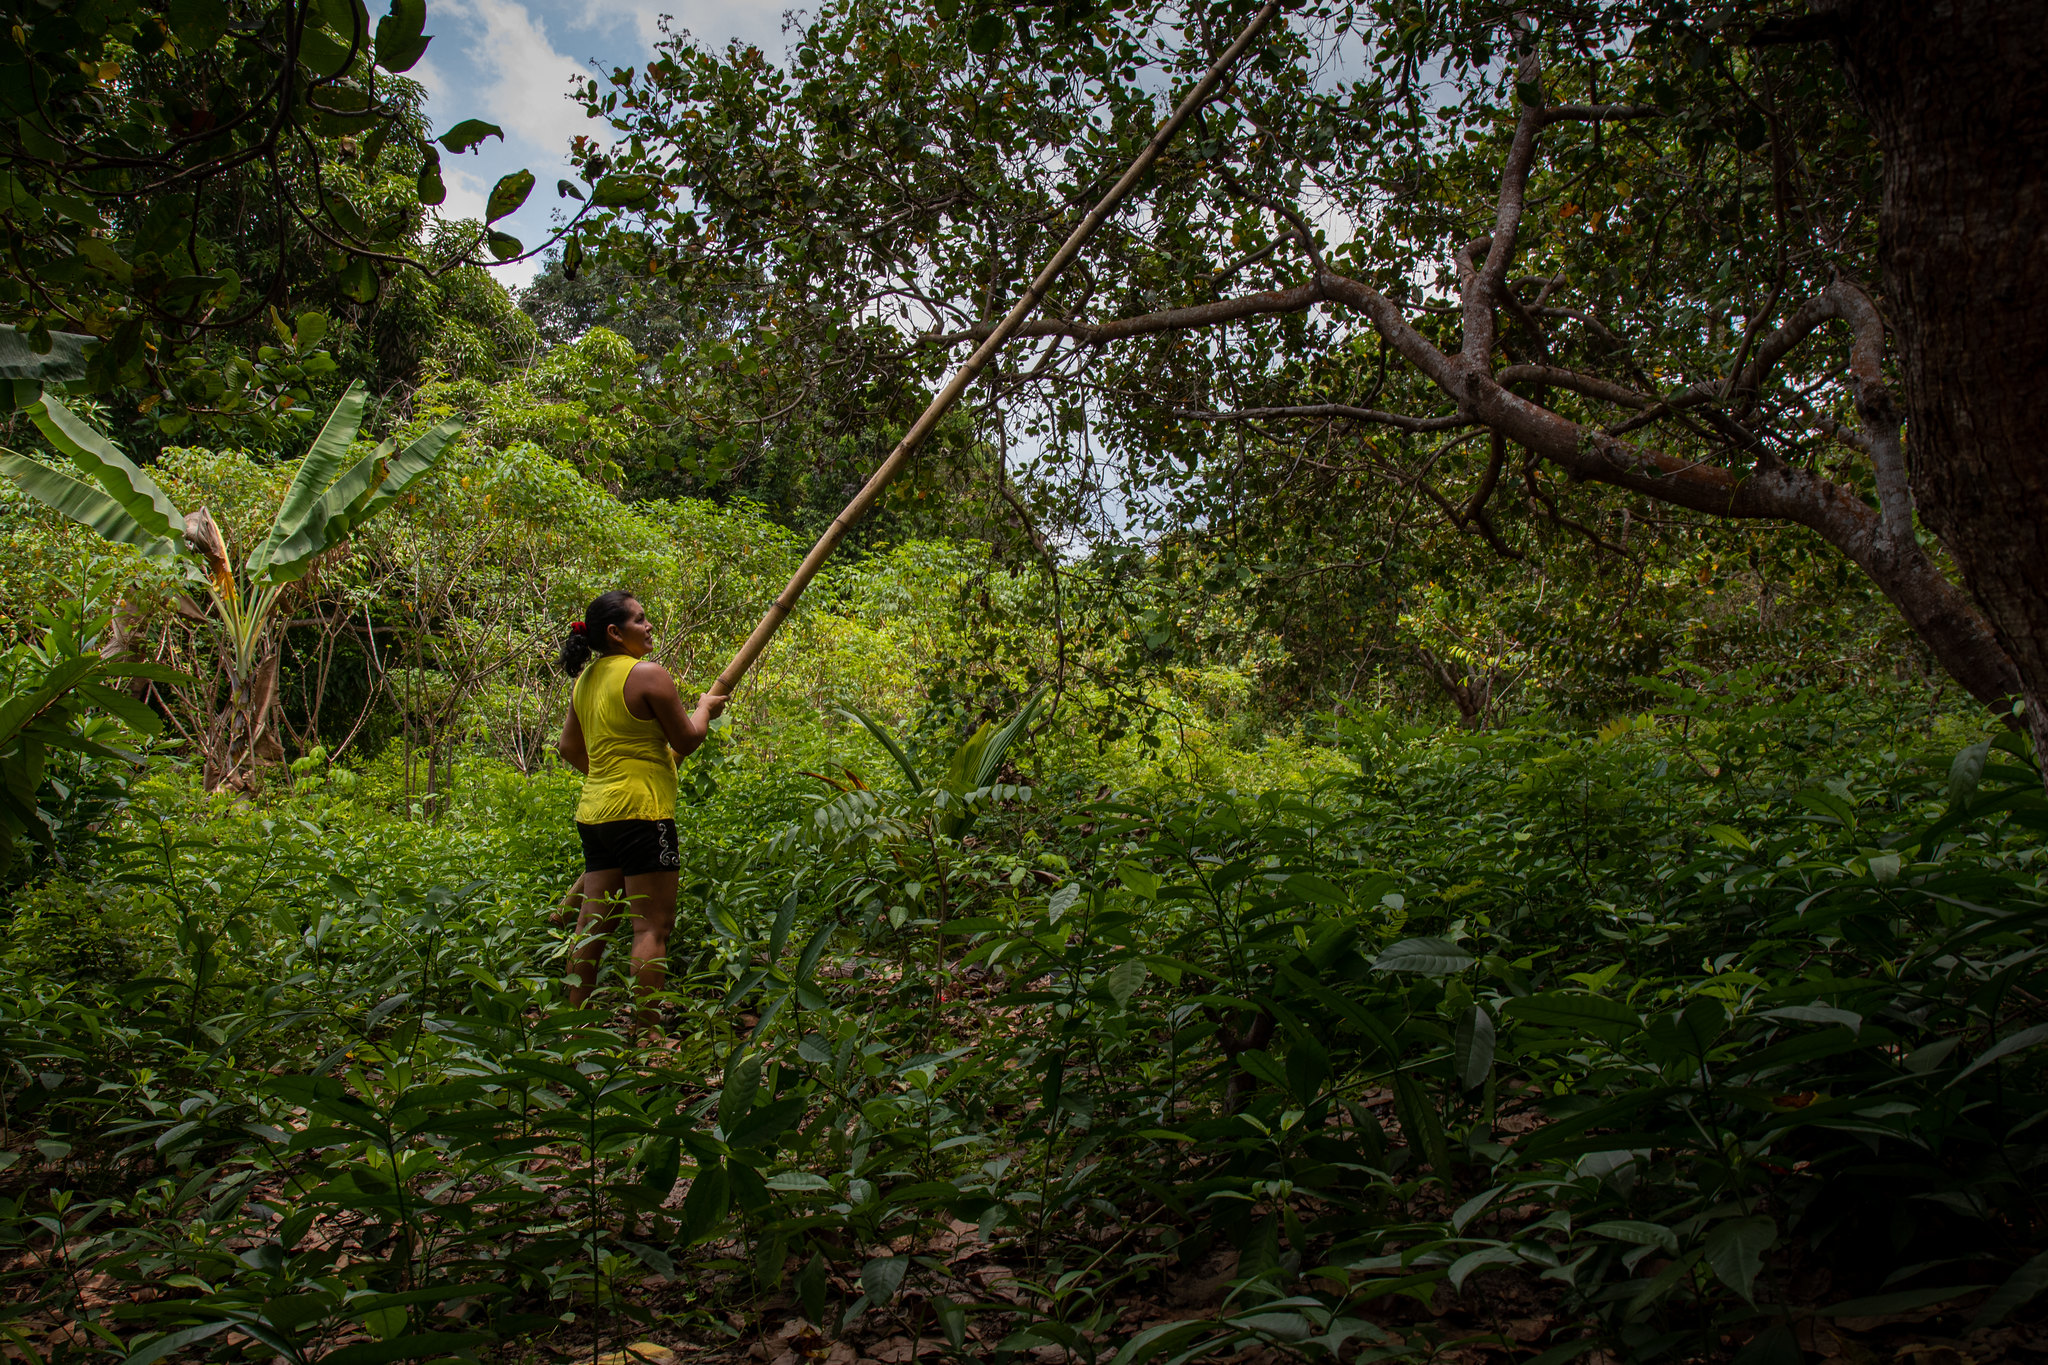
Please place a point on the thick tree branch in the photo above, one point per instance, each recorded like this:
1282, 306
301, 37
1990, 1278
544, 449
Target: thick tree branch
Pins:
1482, 291
1939, 611
1590, 385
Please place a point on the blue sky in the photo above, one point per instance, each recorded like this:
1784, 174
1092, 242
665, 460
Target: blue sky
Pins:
509, 62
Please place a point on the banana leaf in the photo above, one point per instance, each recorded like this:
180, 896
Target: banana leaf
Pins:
64, 361
81, 502
365, 489
123, 481
316, 474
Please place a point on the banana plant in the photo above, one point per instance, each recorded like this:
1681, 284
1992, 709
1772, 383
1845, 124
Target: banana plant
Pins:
329, 497
970, 768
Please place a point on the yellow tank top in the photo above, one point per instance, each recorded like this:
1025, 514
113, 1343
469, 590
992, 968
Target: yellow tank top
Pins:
632, 774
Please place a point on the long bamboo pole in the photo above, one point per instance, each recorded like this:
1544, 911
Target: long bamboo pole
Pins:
984, 353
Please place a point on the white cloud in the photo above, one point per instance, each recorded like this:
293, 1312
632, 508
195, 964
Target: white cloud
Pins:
711, 22
521, 79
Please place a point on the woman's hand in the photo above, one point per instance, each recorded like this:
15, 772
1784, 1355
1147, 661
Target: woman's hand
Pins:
710, 704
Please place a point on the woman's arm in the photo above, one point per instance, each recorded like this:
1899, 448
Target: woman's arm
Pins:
651, 694
571, 746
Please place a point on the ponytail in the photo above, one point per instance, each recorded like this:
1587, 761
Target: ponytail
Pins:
591, 636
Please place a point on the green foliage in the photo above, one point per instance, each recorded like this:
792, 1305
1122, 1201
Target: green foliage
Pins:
61, 767
1641, 1021
157, 161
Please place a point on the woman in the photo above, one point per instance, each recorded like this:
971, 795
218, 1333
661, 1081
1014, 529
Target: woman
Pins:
625, 729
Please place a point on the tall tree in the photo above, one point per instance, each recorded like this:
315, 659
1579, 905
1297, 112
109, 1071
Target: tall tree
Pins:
1630, 243
1957, 94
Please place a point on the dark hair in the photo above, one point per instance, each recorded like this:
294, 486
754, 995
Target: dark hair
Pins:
592, 635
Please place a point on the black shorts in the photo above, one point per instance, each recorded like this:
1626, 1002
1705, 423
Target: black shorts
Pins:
630, 846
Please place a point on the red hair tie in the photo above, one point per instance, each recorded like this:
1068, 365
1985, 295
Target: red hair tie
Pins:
578, 629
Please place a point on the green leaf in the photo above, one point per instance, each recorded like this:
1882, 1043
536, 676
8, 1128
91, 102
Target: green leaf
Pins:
1736, 1250
315, 475
358, 280
1262, 1064
882, 1276
1321, 891
507, 195
1163, 1338
199, 24
986, 34
661, 1160
1905, 1301
114, 472
704, 1206
174, 1341
1123, 981
2005, 1047
889, 743
623, 191
742, 1082
415, 1346
1595, 1015
401, 41
468, 134
1419, 1123
137, 715
1476, 1260
1429, 956
763, 1125
811, 1283
1472, 1050
82, 503
1965, 773
2026, 1283
1639, 1233
1818, 1014
26, 703
798, 1182
324, 54
364, 490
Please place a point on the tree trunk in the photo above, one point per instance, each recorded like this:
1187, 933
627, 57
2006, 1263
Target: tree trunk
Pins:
1957, 92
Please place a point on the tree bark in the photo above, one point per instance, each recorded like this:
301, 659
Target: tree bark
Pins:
1957, 93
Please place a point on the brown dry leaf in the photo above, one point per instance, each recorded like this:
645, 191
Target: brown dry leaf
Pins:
1916, 1353
640, 1353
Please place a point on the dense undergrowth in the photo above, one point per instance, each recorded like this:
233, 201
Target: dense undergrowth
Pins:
1669, 1041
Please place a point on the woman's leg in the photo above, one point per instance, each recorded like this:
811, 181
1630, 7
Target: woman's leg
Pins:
598, 920
652, 896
